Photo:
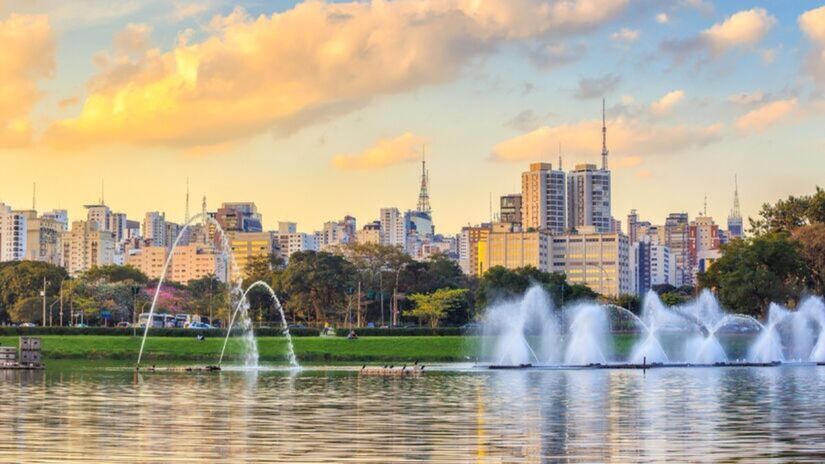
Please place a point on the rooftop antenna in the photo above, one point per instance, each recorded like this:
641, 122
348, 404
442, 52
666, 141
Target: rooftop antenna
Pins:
705, 209
560, 156
34, 196
491, 207
102, 192
604, 139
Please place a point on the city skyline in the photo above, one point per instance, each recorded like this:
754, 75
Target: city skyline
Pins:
697, 93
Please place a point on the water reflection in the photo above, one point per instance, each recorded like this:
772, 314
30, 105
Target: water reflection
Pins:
678, 415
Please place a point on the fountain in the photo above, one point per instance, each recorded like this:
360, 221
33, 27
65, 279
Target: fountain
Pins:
249, 339
531, 331
228, 259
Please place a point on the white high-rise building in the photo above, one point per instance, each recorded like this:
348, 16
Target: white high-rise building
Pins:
154, 228
588, 193
393, 228
543, 198
13, 234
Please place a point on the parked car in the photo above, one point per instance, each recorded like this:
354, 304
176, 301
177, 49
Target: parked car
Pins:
296, 326
200, 326
81, 325
28, 324
123, 324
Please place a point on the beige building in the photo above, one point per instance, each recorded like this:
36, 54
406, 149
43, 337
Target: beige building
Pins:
148, 260
599, 261
43, 238
85, 246
511, 248
370, 233
246, 246
189, 262
543, 198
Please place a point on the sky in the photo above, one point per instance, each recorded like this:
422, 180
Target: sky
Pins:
319, 109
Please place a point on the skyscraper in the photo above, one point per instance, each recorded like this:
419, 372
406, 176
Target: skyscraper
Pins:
543, 198
588, 192
393, 228
677, 239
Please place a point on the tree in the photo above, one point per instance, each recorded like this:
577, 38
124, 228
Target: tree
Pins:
22, 279
791, 214
317, 285
433, 307
752, 273
29, 309
631, 303
811, 239
113, 273
502, 283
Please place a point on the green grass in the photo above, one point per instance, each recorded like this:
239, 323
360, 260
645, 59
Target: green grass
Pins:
271, 349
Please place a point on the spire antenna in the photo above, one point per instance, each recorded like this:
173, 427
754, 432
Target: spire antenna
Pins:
604, 138
34, 196
423, 194
560, 156
102, 191
735, 212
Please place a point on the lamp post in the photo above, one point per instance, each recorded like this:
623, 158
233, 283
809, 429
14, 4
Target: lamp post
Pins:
43, 294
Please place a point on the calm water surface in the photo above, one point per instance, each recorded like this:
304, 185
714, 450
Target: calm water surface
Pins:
67, 414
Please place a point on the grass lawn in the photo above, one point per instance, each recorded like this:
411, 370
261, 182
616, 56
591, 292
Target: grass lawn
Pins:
271, 349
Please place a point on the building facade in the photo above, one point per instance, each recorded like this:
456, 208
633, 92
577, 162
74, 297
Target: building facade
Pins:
598, 260
543, 199
512, 248
588, 197
85, 246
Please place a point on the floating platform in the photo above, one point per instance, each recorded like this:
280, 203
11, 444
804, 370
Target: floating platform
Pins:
645, 366
179, 369
15, 366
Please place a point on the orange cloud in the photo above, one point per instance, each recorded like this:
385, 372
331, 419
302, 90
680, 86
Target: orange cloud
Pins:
27, 56
386, 152
812, 24
663, 105
308, 64
742, 28
766, 115
629, 137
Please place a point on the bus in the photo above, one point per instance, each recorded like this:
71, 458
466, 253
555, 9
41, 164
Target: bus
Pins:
158, 320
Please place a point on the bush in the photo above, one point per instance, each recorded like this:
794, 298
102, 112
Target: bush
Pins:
401, 331
154, 332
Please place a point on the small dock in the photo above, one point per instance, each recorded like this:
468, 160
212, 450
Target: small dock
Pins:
26, 356
178, 369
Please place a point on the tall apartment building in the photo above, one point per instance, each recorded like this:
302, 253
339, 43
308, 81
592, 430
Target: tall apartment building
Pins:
154, 228
100, 214
118, 225
588, 198
600, 261
512, 248
510, 210
650, 265
588, 193
677, 239
543, 198
290, 243
86, 246
13, 234
61, 216
287, 227
393, 228
336, 233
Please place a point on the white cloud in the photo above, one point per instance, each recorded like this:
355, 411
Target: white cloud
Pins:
597, 87
663, 105
662, 18
626, 35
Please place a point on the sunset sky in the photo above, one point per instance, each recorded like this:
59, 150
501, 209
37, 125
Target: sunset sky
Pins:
320, 109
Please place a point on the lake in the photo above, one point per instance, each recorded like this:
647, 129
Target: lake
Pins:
73, 413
